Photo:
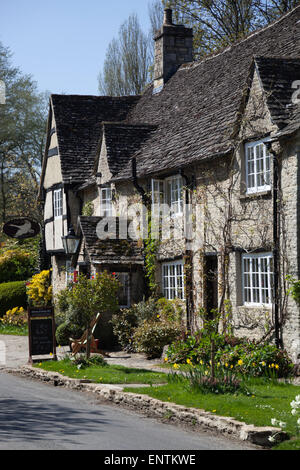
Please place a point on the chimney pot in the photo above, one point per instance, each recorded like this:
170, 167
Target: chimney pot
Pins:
168, 16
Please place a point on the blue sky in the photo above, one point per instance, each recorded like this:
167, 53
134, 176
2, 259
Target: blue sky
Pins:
62, 43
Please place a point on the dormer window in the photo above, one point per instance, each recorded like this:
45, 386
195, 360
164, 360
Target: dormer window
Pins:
106, 201
58, 203
258, 168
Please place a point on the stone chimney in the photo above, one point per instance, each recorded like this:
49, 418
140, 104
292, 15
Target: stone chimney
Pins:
173, 47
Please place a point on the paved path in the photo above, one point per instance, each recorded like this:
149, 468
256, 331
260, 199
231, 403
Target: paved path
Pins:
14, 353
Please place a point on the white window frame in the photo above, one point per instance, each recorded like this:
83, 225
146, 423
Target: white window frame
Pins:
259, 285
158, 193
261, 166
168, 191
173, 280
58, 203
124, 279
106, 201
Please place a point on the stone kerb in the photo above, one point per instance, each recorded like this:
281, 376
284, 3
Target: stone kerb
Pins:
152, 407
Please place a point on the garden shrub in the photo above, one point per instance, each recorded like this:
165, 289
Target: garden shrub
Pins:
151, 337
257, 360
196, 348
16, 265
131, 324
124, 324
249, 357
65, 331
40, 289
12, 294
170, 310
17, 316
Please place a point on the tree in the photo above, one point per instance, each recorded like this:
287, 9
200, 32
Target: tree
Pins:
127, 61
219, 23
87, 297
22, 133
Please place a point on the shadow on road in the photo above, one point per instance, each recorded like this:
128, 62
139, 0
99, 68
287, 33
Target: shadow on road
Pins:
39, 421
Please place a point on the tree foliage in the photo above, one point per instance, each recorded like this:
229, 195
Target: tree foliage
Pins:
219, 23
127, 61
87, 297
22, 133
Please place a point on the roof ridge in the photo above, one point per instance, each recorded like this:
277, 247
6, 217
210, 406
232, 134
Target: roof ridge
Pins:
128, 124
72, 95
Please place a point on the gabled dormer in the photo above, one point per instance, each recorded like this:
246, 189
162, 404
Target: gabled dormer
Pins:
267, 108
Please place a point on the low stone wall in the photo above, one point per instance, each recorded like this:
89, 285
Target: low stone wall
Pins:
154, 408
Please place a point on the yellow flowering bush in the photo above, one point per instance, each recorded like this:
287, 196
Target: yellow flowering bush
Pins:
39, 290
17, 316
15, 265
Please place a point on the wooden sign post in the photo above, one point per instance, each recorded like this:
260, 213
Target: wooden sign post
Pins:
41, 332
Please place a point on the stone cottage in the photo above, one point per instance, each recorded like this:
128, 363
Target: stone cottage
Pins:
201, 171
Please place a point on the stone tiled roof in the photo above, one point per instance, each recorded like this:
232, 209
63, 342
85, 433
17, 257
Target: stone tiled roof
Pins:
277, 76
123, 140
78, 120
108, 251
197, 109
195, 114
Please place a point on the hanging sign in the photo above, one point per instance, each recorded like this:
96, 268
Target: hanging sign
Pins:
21, 228
41, 332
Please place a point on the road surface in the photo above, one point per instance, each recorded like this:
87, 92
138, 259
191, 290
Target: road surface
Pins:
39, 416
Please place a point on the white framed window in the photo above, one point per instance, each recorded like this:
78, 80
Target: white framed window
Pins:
257, 274
258, 167
124, 291
168, 191
173, 280
174, 194
106, 201
58, 202
158, 193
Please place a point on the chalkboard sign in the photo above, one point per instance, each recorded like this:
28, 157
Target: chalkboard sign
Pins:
41, 331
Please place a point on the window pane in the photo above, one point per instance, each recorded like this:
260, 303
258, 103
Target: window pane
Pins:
258, 167
257, 277
172, 281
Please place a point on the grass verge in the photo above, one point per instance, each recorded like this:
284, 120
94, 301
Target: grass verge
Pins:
106, 374
13, 330
267, 400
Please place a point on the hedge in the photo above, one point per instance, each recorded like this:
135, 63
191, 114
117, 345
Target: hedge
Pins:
12, 294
